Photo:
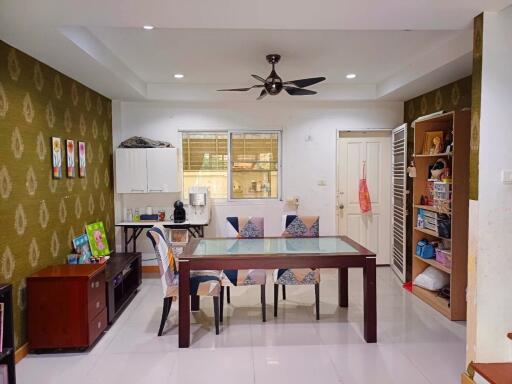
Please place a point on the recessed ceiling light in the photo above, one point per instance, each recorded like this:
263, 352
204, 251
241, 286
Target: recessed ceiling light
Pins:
351, 76
148, 27
179, 75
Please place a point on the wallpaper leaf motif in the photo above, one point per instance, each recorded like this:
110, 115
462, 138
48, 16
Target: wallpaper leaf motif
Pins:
31, 181
5, 183
43, 214
17, 146
13, 65
8, 263
28, 109
4, 103
38, 77
50, 115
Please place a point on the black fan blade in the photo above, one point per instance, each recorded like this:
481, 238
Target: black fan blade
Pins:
301, 83
259, 78
262, 94
241, 89
298, 91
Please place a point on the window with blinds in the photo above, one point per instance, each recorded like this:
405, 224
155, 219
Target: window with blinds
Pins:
205, 162
254, 165
253, 171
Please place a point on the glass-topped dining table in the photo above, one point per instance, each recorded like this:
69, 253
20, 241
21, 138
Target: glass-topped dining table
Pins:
338, 252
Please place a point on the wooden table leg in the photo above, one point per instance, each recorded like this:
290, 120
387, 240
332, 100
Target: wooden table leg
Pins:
343, 287
370, 300
184, 304
194, 299
125, 239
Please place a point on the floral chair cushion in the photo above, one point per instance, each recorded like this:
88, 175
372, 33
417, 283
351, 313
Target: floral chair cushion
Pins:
202, 283
297, 276
299, 226
244, 227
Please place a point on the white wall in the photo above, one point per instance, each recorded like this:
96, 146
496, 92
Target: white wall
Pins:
494, 257
305, 162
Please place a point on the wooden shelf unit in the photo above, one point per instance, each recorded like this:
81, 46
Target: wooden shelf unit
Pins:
459, 124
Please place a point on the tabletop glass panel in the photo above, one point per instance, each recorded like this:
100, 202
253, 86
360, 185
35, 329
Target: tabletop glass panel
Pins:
210, 247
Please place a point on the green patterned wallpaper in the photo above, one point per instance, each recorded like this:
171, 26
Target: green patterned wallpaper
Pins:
478, 30
41, 215
450, 97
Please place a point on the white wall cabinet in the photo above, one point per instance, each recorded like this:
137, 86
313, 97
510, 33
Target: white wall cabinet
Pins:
147, 170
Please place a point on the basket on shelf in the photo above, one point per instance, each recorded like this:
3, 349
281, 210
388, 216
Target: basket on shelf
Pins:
444, 257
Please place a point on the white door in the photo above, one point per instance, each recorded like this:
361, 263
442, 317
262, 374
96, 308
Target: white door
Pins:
131, 174
162, 169
398, 201
372, 229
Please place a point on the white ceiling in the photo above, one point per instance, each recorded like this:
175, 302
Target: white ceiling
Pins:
215, 56
219, 43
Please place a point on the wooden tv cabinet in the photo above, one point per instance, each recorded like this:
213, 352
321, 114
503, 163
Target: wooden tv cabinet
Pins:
123, 278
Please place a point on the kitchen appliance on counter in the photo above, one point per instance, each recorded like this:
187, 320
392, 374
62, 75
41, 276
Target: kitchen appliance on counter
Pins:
198, 209
180, 215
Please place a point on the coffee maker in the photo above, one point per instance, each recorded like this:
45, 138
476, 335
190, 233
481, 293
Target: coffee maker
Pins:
179, 215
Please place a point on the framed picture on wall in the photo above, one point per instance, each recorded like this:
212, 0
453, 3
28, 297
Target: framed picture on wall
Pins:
70, 158
56, 157
81, 159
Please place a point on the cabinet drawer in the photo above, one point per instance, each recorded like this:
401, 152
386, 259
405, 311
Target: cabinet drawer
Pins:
96, 295
97, 325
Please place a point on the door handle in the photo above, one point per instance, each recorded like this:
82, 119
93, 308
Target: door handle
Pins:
341, 206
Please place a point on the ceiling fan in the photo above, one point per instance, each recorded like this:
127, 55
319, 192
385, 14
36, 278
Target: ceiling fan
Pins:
273, 84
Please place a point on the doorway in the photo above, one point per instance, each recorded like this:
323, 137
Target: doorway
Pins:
372, 229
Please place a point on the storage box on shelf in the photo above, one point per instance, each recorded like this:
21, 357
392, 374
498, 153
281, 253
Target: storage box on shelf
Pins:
449, 209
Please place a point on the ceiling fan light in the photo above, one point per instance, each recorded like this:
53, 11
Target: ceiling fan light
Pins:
148, 27
351, 76
179, 75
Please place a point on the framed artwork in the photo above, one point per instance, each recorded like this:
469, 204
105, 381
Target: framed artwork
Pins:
97, 239
82, 248
81, 159
56, 157
70, 158
433, 143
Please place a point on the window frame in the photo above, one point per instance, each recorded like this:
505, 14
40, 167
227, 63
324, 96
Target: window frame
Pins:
229, 133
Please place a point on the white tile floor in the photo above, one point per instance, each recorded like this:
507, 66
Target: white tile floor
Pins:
416, 344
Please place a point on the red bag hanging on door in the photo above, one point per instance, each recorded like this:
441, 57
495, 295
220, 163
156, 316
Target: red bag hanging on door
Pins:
365, 202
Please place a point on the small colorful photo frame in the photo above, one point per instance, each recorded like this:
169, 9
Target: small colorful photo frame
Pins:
97, 239
70, 158
433, 143
82, 248
56, 158
81, 159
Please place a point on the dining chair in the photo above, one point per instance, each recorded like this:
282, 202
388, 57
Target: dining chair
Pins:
298, 226
202, 283
243, 227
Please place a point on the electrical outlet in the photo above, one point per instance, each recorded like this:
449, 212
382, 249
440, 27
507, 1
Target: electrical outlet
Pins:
506, 176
